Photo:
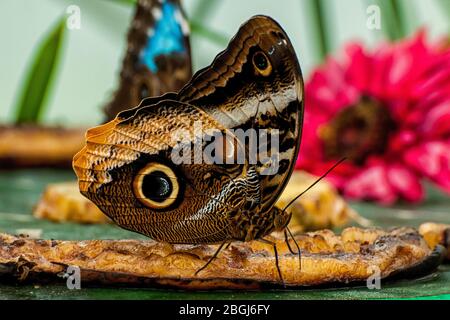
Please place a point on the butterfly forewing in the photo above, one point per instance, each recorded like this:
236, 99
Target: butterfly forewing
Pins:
240, 95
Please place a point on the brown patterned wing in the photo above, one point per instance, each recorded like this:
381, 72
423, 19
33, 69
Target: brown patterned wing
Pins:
256, 83
127, 167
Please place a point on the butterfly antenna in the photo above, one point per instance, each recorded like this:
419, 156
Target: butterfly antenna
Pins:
292, 201
314, 183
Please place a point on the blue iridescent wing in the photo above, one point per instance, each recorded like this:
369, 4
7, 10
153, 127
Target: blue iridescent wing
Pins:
158, 58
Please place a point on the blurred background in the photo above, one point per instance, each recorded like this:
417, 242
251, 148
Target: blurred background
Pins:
91, 56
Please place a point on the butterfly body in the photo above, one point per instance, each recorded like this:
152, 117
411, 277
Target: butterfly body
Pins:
133, 169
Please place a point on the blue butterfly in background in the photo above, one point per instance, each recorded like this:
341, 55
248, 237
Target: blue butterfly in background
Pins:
166, 38
158, 58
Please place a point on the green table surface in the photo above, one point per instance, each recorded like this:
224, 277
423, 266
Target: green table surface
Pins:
19, 191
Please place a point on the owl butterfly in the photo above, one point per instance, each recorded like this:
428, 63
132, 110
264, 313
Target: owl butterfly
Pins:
132, 170
158, 58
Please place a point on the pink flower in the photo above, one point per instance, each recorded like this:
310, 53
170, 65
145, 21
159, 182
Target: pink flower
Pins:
388, 112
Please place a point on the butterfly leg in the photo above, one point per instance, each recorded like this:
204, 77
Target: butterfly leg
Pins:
299, 252
275, 251
212, 258
286, 239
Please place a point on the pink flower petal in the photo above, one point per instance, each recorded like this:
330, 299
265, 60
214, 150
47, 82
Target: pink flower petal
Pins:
432, 159
437, 121
436, 76
329, 88
382, 61
371, 184
357, 61
402, 141
405, 182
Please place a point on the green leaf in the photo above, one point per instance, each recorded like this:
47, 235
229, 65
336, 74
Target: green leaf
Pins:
445, 8
217, 37
394, 19
127, 2
37, 87
203, 10
316, 13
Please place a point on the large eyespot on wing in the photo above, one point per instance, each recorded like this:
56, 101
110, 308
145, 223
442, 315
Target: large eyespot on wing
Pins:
157, 186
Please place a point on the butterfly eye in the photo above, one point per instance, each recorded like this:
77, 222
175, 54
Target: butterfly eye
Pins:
156, 186
262, 64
